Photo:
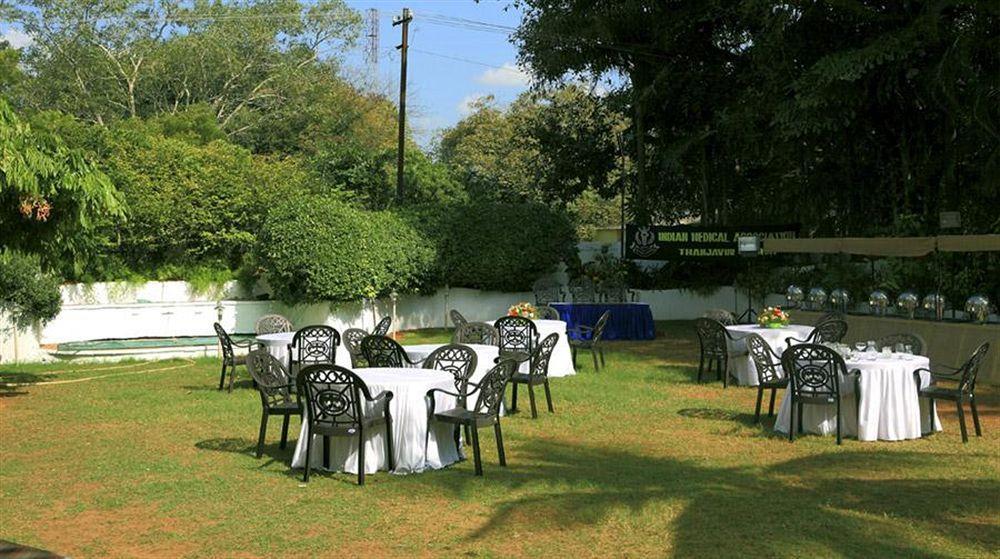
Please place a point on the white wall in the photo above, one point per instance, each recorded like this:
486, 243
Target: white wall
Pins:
169, 309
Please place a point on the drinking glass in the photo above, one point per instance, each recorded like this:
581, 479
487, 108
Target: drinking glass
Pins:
908, 349
860, 346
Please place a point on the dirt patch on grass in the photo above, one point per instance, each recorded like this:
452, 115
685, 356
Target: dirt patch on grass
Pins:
132, 531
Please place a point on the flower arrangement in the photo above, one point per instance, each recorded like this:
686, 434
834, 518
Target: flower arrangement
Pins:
773, 317
524, 309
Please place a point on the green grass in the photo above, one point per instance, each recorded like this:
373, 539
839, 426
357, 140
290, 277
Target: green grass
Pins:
638, 460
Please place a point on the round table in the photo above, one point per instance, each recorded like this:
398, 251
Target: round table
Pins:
277, 345
561, 364
742, 366
414, 447
889, 409
486, 356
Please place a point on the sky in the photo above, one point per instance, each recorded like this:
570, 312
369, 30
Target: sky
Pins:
449, 65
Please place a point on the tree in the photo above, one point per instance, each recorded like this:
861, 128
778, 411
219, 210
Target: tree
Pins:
51, 196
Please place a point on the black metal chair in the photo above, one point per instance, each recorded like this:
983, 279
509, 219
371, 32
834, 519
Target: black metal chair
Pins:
815, 373
278, 394
383, 351
486, 411
829, 331
538, 373
964, 378
546, 312
546, 291
229, 358
313, 345
582, 290
337, 403
456, 318
517, 337
769, 373
721, 316
382, 328
352, 341
905, 339
272, 324
589, 337
476, 333
713, 341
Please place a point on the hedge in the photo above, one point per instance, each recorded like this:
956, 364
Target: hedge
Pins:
317, 248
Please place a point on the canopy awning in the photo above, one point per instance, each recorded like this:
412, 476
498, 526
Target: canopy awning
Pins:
885, 246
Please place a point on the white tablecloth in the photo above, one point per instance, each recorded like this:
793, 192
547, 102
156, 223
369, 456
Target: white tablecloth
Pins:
561, 364
277, 345
409, 426
485, 356
889, 409
742, 366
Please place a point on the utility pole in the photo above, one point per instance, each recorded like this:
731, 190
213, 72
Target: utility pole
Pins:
403, 20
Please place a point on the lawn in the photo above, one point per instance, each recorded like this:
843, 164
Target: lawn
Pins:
149, 460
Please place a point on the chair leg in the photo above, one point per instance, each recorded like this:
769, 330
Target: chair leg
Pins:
326, 452
499, 435
222, 377
840, 421
701, 367
961, 421
232, 377
975, 415
309, 446
573, 352
389, 448
475, 451
263, 433
801, 430
548, 396
770, 407
531, 398
513, 399
468, 435
930, 414
361, 455
791, 420
724, 371
284, 433
601, 352
593, 354
760, 398
457, 433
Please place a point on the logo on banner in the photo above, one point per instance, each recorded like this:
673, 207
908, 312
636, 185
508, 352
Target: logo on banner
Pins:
644, 242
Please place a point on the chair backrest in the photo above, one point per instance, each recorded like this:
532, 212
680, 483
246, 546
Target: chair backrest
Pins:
225, 341
475, 333
613, 292
314, 345
720, 315
832, 315
456, 318
492, 387
272, 378
765, 360
830, 331
457, 359
333, 395
516, 333
383, 351
382, 328
543, 354
546, 291
711, 336
582, 289
272, 324
546, 312
352, 341
814, 370
602, 323
907, 339
970, 370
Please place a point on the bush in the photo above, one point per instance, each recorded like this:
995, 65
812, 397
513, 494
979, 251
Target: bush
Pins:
495, 246
318, 248
26, 294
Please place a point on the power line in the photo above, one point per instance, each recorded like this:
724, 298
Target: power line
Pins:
460, 59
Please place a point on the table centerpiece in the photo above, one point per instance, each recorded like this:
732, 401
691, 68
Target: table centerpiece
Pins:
523, 309
773, 317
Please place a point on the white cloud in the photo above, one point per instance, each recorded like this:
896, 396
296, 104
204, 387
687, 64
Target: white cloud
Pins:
465, 105
16, 38
507, 75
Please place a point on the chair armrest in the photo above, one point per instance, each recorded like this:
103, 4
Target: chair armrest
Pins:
791, 339
954, 375
385, 395
246, 343
430, 393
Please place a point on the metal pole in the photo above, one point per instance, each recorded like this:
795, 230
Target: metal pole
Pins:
403, 20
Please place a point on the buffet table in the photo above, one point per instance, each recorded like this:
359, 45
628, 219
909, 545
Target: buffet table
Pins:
628, 321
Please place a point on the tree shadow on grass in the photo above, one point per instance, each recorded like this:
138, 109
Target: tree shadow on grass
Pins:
837, 503
12, 383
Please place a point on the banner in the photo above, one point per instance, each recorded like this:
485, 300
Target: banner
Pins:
694, 242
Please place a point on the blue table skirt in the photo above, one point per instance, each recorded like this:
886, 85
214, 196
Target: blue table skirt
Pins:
628, 321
